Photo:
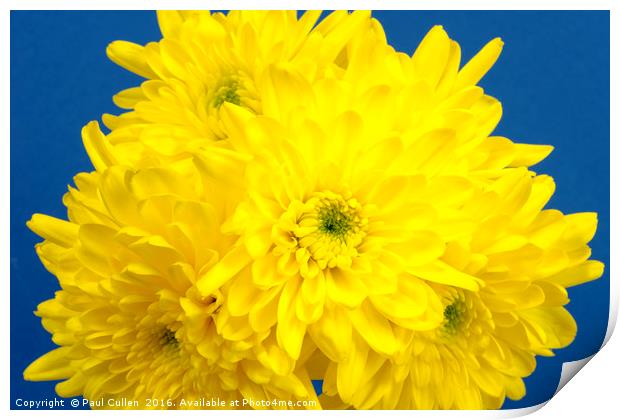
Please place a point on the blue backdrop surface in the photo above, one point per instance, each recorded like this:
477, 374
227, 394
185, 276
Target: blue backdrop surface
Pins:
552, 79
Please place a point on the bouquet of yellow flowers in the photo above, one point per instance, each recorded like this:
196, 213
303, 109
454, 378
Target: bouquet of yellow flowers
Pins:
289, 199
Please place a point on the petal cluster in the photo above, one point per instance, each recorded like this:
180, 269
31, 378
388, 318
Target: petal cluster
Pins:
129, 319
289, 199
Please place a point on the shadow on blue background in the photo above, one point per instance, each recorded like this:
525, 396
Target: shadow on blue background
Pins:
552, 79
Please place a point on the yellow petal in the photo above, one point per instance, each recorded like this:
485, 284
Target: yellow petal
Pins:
242, 295
579, 274
440, 272
119, 202
55, 230
265, 274
309, 303
410, 301
351, 372
431, 56
420, 248
451, 69
73, 386
50, 367
582, 227
169, 22
489, 380
339, 34
282, 89
374, 328
274, 358
555, 326
233, 328
332, 333
256, 371
97, 146
175, 58
291, 384
96, 247
259, 242
345, 288
128, 98
515, 388
231, 264
130, 56
290, 330
478, 66
264, 313
555, 295
530, 154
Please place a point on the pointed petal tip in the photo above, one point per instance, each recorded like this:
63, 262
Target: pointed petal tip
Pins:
49, 367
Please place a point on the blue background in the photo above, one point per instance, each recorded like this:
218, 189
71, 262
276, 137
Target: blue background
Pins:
552, 79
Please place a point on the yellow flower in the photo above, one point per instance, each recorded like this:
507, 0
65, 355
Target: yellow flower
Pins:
129, 320
343, 227
427, 99
350, 225
488, 340
286, 202
207, 59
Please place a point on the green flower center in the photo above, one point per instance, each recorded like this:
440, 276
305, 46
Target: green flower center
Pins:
227, 93
453, 317
168, 339
335, 219
322, 232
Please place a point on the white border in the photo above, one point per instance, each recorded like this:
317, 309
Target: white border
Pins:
313, 4
575, 399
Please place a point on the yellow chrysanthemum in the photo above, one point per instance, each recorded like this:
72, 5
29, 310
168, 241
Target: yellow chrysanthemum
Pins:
487, 341
348, 227
207, 59
129, 320
285, 201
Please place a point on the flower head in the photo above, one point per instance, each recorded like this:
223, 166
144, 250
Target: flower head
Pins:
372, 245
205, 60
336, 232
487, 340
288, 200
129, 320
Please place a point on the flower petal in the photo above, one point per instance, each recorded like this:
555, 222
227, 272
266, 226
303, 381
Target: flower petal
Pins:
374, 328
290, 331
223, 271
50, 367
